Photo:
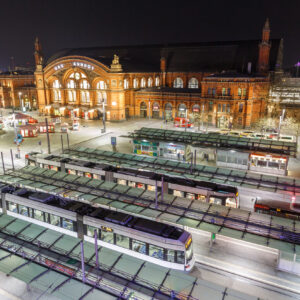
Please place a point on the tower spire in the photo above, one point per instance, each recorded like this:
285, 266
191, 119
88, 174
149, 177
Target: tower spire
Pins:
38, 55
264, 49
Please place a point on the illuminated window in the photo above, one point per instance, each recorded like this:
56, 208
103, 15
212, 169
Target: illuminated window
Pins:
178, 83
84, 84
157, 81
126, 83
72, 96
193, 83
223, 91
71, 84
85, 96
244, 92
56, 84
135, 83
143, 82
101, 85
150, 81
239, 91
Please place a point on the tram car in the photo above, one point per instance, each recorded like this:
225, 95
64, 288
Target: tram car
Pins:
155, 242
289, 210
176, 185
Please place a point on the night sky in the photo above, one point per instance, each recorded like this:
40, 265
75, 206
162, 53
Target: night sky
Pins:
89, 23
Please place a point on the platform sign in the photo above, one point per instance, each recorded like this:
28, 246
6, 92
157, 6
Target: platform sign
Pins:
113, 140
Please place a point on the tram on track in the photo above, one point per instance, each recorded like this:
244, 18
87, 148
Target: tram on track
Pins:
278, 208
175, 185
155, 242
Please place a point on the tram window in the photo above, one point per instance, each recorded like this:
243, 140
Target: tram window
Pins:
54, 220
122, 241
201, 198
151, 187
215, 201
231, 202
72, 172
91, 230
138, 246
140, 185
180, 257
131, 183
170, 255
156, 252
12, 207
122, 181
282, 166
46, 167
107, 236
261, 163
189, 252
39, 215
273, 164
190, 196
67, 224
178, 193
96, 176
138, 147
23, 210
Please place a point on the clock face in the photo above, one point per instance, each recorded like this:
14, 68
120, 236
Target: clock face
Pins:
77, 76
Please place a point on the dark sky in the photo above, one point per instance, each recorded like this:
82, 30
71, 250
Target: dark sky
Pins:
85, 23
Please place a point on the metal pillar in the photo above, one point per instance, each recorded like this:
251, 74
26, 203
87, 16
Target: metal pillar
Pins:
156, 192
103, 117
96, 248
162, 188
62, 143
82, 262
195, 157
68, 141
12, 159
3, 163
48, 138
191, 163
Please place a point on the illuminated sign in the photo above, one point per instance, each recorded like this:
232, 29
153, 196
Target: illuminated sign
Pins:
58, 67
82, 65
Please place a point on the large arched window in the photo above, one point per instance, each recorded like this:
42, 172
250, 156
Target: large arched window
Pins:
193, 83
150, 82
143, 82
178, 83
135, 83
101, 85
157, 81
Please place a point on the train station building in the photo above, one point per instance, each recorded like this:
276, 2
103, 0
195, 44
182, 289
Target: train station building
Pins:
223, 84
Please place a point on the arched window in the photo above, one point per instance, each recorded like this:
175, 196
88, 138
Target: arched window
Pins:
126, 83
56, 92
193, 83
157, 81
101, 85
71, 84
143, 82
57, 95
84, 84
150, 81
135, 83
178, 83
182, 111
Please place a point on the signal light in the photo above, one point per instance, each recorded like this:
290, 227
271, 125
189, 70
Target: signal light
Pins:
293, 199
